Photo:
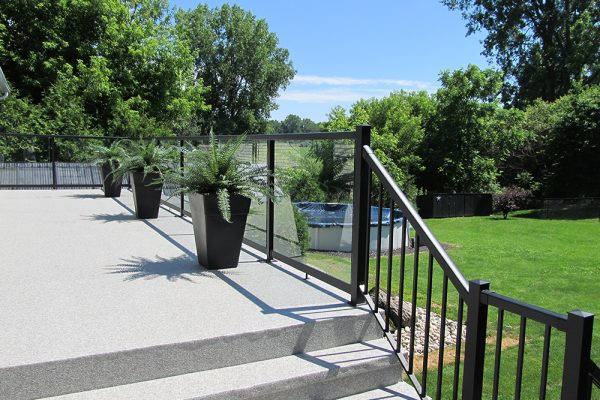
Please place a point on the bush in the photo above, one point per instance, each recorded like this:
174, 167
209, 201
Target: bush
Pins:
302, 184
511, 199
301, 230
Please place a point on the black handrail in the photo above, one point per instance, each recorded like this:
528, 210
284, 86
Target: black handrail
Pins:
579, 372
249, 137
425, 235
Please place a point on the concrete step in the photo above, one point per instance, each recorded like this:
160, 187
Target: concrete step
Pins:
143, 364
321, 374
400, 390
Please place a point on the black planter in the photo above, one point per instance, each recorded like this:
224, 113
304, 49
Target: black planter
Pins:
218, 242
111, 188
146, 194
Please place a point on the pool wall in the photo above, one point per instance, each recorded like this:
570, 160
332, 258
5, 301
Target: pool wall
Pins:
339, 238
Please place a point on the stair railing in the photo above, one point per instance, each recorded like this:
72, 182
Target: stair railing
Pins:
452, 336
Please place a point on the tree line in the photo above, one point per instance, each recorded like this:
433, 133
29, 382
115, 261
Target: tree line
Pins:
142, 68
137, 68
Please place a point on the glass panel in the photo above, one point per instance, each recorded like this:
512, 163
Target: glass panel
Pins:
255, 153
313, 220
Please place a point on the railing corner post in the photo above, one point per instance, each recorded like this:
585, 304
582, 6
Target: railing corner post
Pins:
181, 164
360, 214
475, 341
270, 211
578, 345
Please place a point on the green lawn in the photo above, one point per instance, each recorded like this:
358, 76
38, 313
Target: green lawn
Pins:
549, 263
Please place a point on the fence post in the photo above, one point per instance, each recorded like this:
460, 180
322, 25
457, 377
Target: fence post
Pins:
181, 195
270, 226
575, 382
475, 341
360, 214
53, 160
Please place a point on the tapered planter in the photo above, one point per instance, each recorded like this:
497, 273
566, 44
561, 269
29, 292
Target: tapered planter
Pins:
146, 194
218, 242
111, 188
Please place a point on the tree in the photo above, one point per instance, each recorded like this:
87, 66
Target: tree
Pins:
542, 47
294, 124
239, 59
89, 67
572, 156
510, 199
469, 135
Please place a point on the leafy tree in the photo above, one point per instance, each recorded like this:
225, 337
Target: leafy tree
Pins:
510, 199
239, 59
293, 123
39, 38
335, 179
542, 47
469, 135
87, 66
573, 149
398, 124
302, 183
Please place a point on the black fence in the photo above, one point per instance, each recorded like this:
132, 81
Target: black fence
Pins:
448, 205
570, 208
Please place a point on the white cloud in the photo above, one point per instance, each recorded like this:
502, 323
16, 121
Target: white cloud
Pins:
345, 81
331, 95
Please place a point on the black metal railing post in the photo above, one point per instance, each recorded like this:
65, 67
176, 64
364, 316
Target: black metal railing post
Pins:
578, 345
360, 214
53, 161
475, 342
181, 195
270, 225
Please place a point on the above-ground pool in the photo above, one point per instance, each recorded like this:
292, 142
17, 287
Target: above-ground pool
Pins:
330, 226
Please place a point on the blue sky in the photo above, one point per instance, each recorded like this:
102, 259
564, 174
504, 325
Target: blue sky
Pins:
344, 50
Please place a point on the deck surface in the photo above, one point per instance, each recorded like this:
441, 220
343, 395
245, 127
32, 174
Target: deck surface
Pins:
80, 275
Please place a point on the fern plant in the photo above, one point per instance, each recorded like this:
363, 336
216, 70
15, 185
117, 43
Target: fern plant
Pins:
111, 155
147, 157
217, 170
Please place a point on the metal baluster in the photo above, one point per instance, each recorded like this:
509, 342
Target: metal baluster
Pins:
427, 325
401, 289
459, 330
442, 337
414, 304
378, 255
368, 232
389, 271
545, 353
519, 378
53, 160
499, 329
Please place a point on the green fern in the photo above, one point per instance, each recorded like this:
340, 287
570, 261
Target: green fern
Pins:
217, 170
147, 157
112, 154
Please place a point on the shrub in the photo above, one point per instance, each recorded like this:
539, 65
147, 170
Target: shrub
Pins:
301, 230
511, 199
302, 183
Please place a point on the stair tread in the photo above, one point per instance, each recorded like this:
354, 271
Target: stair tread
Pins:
253, 379
400, 390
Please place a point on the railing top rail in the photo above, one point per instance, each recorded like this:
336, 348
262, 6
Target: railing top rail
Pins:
529, 311
454, 274
250, 137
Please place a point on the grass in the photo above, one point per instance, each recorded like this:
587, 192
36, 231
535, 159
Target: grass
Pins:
550, 263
